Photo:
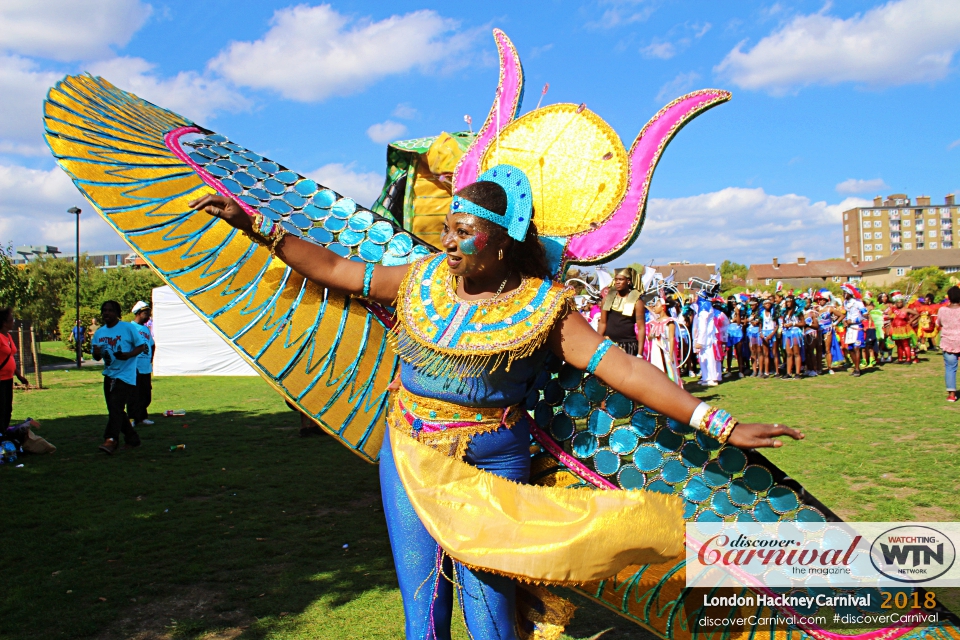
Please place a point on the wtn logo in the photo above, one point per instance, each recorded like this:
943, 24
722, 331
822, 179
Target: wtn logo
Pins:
899, 555
913, 553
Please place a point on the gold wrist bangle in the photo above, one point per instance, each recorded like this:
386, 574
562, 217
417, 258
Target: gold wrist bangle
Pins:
269, 240
722, 439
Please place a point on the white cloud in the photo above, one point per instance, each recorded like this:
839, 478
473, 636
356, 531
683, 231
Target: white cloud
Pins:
744, 225
33, 210
23, 87
67, 29
364, 187
536, 52
678, 86
312, 53
670, 45
621, 12
384, 132
662, 50
405, 111
187, 93
900, 42
852, 186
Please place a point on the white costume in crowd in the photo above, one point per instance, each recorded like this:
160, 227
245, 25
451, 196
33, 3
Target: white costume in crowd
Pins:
705, 335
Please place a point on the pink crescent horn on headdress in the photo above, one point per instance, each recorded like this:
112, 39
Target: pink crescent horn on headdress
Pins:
505, 108
618, 232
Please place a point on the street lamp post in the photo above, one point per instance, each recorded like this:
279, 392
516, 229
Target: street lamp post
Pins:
79, 343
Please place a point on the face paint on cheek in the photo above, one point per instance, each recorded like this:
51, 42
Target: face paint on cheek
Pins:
468, 247
480, 240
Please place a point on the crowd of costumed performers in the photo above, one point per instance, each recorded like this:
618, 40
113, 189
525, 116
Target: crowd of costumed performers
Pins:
785, 335
517, 447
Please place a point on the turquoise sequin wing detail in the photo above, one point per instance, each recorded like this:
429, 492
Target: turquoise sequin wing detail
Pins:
632, 447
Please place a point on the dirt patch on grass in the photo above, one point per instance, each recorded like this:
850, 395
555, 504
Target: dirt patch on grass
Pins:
192, 609
932, 514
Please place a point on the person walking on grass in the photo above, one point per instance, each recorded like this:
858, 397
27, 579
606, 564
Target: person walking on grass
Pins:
138, 409
118, 344
948, 321
8, 367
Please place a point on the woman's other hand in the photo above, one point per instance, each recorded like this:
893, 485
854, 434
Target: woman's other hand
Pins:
755, 435
227, 209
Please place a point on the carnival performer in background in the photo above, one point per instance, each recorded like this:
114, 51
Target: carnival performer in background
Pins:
661, 348
722, 320
829, 345
811, 341
927, 329
854, 312
901, 329
792, 326
769, 327
882, 322
735, 337
622, 313
754, 338
706, 341
457, 410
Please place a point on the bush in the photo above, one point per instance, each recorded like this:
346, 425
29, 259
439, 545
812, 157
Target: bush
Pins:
88, 317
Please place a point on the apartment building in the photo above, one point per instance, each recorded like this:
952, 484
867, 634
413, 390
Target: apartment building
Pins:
895, 224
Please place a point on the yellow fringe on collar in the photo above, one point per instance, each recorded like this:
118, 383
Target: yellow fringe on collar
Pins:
445, 336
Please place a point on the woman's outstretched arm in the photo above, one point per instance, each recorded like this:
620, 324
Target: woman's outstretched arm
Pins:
312, 261
575, 341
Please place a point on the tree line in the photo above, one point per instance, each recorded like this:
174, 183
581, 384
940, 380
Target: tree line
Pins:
43, 291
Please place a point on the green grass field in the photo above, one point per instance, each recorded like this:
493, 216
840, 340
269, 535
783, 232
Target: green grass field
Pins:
242, 533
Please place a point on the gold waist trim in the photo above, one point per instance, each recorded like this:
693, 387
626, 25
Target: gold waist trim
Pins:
444, 426
535, 534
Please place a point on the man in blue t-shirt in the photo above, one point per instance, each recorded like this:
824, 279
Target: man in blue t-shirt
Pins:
118, 344
137, 409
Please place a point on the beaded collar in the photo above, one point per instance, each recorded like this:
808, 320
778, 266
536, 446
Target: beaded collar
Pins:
445, 335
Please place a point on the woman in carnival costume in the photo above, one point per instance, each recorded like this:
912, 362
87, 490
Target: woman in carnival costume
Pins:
622, 312
882, 323
662, 342
475, 340
769, 328
901, 329
792, 324
829, 343
927, 329
735, 336
467, 364
754, 339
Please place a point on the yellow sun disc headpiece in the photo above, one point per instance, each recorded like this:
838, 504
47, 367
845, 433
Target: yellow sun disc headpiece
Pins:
576, 163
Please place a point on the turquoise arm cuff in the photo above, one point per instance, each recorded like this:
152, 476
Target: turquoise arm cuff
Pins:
367, 279
598, 355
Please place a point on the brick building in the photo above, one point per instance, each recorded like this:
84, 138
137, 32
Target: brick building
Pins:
894, 224
801, 274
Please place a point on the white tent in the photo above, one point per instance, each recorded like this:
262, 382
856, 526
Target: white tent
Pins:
186, 346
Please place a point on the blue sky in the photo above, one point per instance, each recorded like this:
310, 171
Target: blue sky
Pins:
832, 103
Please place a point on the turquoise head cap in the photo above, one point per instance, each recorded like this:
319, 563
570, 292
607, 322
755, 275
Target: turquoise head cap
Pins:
514, 181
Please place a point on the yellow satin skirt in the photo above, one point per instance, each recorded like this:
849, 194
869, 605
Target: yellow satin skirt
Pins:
535, 534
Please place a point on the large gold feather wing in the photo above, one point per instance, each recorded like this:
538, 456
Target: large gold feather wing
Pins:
139, 166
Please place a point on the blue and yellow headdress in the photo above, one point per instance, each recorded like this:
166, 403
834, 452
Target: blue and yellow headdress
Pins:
514, 181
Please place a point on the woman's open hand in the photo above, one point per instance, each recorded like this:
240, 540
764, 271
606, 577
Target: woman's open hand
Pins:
755, 435
227, 209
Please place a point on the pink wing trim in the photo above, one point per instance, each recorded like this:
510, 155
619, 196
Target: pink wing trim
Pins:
619, 230
577, 467
509, 94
